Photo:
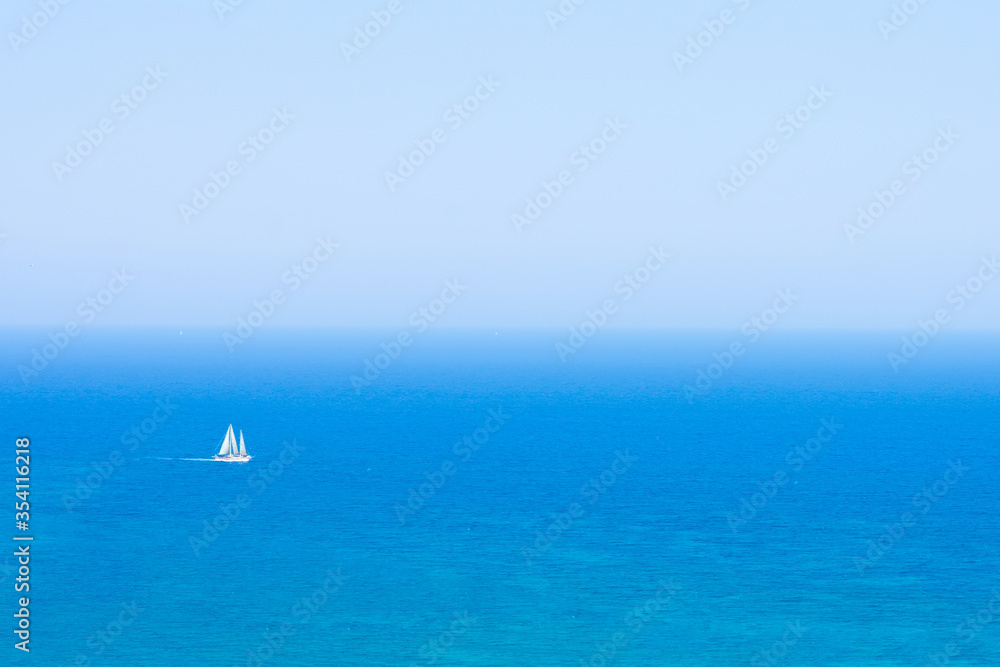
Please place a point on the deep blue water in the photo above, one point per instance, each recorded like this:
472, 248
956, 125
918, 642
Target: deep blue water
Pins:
632, 482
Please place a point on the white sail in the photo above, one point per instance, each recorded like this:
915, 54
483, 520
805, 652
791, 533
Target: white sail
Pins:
243, 448
226, 447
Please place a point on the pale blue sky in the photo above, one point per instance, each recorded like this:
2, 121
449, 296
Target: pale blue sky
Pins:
656, 185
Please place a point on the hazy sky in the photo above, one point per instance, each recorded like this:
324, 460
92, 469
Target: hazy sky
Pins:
554, 86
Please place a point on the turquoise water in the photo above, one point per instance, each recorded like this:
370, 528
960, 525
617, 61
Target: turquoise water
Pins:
481, 503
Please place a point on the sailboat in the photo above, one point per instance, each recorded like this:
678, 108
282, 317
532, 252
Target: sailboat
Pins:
230, 451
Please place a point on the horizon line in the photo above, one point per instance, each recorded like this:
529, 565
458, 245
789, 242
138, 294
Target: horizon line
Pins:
494, 328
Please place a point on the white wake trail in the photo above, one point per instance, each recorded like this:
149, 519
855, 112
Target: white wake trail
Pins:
166, 458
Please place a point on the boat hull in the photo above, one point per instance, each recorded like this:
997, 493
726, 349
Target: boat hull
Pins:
233, 459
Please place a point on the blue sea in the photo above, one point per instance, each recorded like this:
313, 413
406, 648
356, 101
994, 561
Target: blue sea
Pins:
478, 501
